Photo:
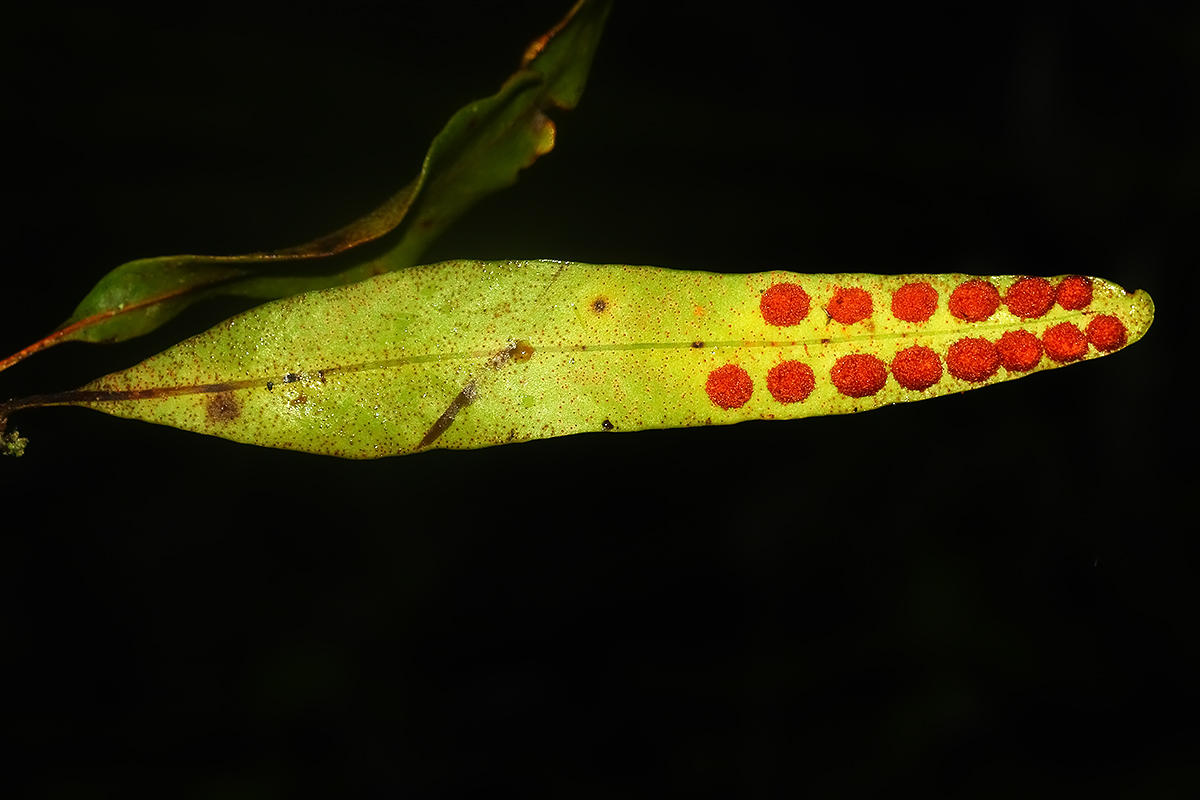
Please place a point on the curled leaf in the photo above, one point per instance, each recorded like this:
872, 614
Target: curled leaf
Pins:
468, 354
479, 151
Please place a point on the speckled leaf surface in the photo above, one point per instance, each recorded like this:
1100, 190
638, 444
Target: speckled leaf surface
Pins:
468, 354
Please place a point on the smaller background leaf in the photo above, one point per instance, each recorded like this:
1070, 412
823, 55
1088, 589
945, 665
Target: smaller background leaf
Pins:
478, 152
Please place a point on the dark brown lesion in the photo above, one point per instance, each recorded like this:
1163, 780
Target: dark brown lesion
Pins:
464, 399
222, 407
600, 305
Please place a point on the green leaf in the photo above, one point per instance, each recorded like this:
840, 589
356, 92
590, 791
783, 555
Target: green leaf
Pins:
469, 354
480, 150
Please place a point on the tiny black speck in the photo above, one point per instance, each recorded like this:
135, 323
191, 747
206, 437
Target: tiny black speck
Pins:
608, 426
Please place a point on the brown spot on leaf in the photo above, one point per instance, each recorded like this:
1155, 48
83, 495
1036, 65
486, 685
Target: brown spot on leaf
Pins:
522, 351
222, 407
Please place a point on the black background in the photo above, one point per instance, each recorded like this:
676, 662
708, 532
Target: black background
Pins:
990, 594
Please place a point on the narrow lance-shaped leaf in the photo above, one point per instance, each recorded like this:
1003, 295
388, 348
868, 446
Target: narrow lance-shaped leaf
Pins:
468, 354
479, 151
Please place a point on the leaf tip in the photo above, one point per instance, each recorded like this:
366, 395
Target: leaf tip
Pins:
1143, 310
539, 44
545, 132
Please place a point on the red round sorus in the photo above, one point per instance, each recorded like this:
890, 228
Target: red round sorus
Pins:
791, 381
859, 375
1065, 342
1030, 298
1074, 293
1020, 350
1107, 333
973, 360
784, 304
914, 302
974, 300
917, 368
849, 306
729, 386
